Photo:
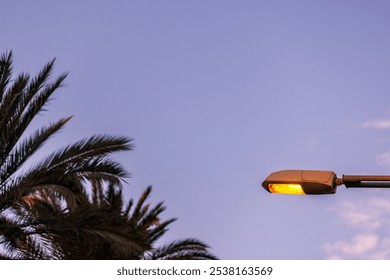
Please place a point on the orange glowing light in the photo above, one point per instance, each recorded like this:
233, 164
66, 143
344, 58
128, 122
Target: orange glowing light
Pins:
286, 189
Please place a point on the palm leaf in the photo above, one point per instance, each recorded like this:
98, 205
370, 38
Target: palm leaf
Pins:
183, 249
5, 72
95, 146
28, 147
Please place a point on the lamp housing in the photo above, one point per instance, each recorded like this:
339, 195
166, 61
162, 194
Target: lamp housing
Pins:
301, 182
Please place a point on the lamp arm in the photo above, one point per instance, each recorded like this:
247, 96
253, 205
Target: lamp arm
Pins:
364, 181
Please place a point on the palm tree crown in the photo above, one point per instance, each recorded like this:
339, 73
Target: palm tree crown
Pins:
47, 210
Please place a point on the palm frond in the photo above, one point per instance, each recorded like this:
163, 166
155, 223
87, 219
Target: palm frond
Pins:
23, 101
39, 82
10, 107
28, 113
26, 148
5, 72
95, 146
150, 219
35, 104
160, 230
98, 169
137, 212
189, 249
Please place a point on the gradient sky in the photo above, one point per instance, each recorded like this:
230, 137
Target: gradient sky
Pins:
218, 94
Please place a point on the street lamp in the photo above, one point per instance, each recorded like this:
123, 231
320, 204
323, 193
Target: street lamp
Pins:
303, 182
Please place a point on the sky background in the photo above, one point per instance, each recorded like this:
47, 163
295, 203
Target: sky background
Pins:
217, 95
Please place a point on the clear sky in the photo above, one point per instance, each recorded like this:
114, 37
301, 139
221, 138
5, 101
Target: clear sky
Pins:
218, 94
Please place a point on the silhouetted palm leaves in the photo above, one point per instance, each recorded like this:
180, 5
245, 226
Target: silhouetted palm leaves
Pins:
69, 205
102, 228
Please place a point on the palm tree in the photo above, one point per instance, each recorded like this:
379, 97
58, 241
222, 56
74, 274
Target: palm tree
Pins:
70, 204
62, 173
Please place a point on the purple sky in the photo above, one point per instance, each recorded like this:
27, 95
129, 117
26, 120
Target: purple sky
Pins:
218, 94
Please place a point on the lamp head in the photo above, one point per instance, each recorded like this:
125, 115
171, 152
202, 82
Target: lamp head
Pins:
301, 182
